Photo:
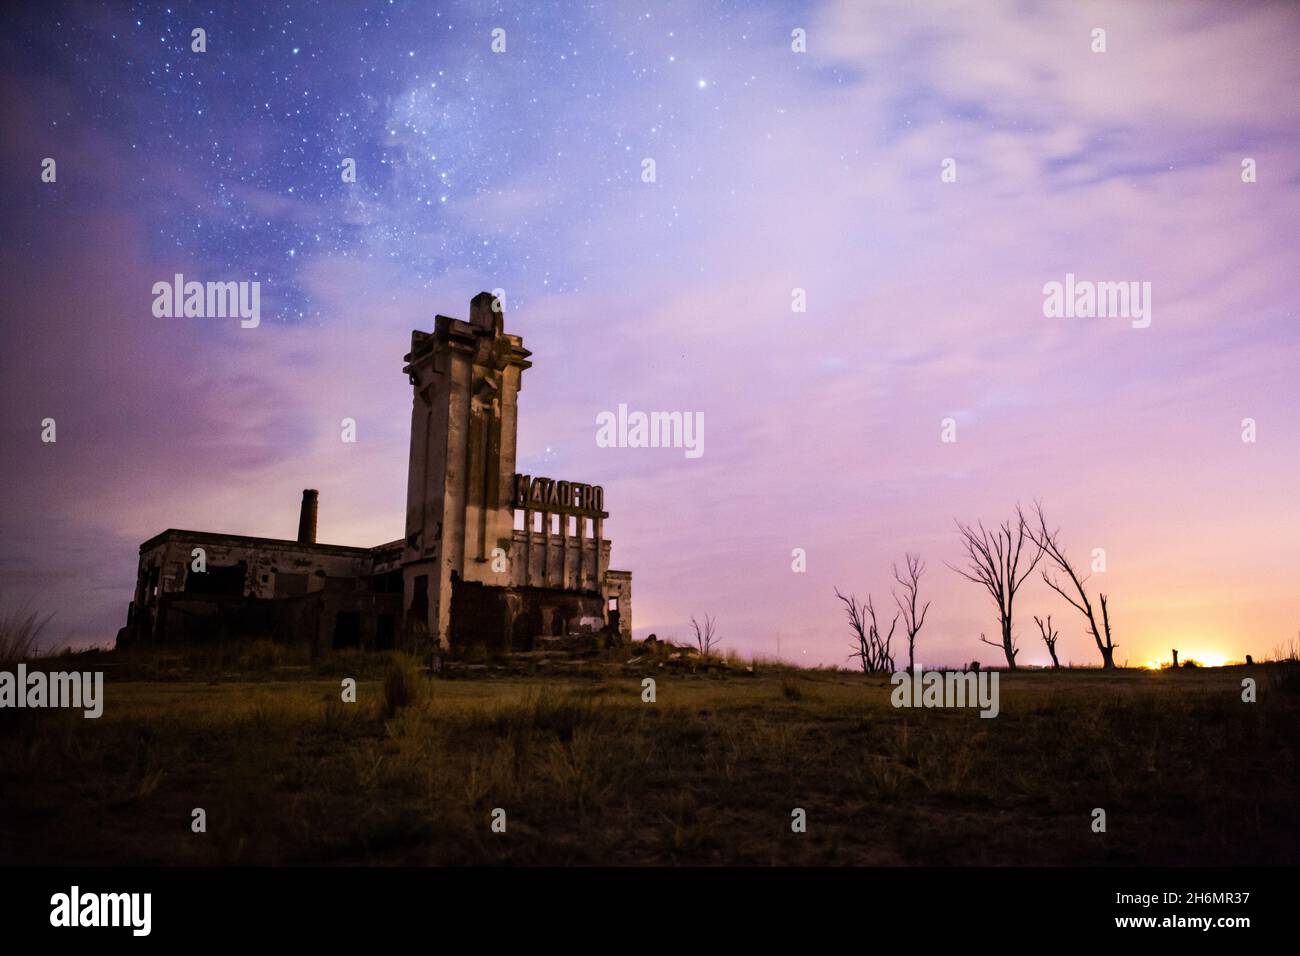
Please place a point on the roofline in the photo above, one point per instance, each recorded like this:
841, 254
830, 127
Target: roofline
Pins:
291, 542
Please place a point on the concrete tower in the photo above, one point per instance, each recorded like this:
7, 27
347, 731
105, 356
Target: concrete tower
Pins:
466, 378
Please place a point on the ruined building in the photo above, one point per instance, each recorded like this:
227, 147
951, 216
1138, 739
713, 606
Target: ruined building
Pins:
489, 557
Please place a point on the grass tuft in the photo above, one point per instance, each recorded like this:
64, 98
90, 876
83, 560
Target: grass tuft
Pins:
404, 685
20, 629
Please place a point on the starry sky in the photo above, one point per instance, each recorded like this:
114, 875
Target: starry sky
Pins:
775, 170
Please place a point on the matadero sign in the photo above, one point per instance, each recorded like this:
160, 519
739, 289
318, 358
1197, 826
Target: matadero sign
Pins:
561, 497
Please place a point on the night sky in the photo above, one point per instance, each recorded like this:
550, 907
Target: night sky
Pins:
775, 170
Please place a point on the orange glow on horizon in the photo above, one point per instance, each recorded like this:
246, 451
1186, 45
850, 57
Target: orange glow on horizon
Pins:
1203, 658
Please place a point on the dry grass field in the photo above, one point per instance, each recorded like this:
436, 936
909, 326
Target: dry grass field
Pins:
588, 773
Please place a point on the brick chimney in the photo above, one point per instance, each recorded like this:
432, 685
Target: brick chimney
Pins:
307, 516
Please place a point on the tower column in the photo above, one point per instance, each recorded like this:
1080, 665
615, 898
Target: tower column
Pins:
465, 378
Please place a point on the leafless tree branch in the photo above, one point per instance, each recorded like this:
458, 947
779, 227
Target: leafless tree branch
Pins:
706, 638
998, 561
1050, 636
870, 647
913, 621
1074, 592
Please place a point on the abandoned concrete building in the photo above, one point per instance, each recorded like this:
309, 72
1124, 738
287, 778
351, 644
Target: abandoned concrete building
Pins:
490, 556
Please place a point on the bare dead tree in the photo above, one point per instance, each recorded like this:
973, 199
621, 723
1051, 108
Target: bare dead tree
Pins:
871, 648
1073, 590
907, 602
994, 562
1049, 637
706, 638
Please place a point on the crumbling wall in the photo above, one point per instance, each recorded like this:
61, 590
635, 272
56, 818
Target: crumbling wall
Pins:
618, 586
313, 618
518, 619
480, 614
237, 567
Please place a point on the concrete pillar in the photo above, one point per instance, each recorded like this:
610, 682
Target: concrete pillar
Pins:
564, 551
582, 551
528, 545
546, 549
